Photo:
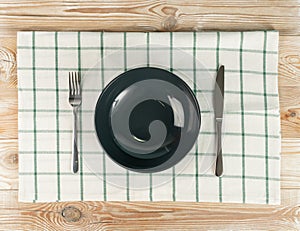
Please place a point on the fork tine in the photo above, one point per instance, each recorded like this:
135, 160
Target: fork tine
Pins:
70, 87
73, 84
79, 83
76, 83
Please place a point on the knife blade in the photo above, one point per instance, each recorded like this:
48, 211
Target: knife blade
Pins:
218, 109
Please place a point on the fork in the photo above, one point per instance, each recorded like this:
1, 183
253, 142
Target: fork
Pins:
75, 101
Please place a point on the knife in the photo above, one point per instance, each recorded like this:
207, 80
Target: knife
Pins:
218, 109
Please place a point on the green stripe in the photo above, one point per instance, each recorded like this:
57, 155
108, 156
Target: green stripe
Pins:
148, 64
195, 92
104, 176
243, 134
148, 49
121, 69
252, 156
157, 174
238, 92
54, 131
53, 110
154, 48
57, 119
171, 70
150, 188
81, 150
60, 152
43, 89
102, 86
127, 186
125, 69
173, 184
242, 118
34, 120
171, 51
203, 112
125, 51
266, 118
217, 67
254, 113
202, 133
251, 93
218, 52
190, 153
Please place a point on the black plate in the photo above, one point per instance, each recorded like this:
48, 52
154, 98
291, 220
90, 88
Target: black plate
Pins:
147, 119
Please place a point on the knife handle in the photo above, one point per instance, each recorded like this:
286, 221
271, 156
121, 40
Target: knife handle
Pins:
219, 161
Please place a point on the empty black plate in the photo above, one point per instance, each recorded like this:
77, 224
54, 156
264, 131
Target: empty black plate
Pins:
147, 119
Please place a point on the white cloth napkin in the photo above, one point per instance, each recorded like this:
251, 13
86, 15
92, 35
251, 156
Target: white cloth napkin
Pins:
251, 126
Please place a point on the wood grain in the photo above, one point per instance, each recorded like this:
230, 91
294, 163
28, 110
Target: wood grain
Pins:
8, 72
9, 164
290, 174
289, 62
147, 215
289, 85
290, 146
149, 15
8, 113
153, 15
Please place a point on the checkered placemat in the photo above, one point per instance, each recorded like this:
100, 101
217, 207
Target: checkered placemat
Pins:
251, 132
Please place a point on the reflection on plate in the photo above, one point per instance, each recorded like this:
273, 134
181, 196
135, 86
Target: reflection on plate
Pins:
147, 119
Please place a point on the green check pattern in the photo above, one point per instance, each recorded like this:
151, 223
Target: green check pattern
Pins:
251, 125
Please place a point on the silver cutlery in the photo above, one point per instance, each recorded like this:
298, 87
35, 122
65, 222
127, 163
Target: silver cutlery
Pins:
75, 99
218, 109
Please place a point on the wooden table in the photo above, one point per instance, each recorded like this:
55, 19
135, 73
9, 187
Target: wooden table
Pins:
152, 15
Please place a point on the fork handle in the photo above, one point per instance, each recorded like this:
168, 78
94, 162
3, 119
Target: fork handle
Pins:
74, 146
